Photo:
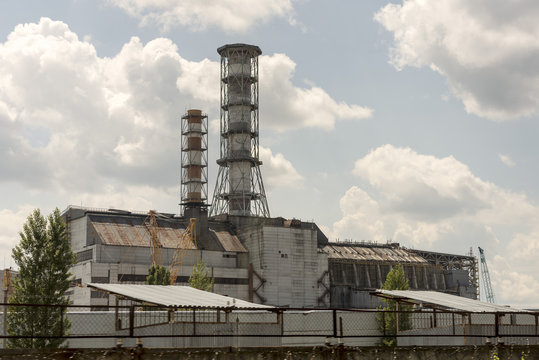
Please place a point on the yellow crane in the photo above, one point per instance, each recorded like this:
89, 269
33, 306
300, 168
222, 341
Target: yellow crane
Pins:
151, 225
187, 242
155, 242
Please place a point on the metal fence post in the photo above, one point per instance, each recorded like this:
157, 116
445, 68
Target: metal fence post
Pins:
194, 322
281, 316
131, 320
4, 325
384, 322
334, 323
496, 325
453, 315
62, 321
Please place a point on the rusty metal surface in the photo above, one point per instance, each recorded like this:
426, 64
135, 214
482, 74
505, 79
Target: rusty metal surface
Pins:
132, 232
171, 236
229, 242
368, 253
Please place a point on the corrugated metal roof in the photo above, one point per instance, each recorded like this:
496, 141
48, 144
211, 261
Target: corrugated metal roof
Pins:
175, 296
130, 232
448, 301
367, 253
229, 242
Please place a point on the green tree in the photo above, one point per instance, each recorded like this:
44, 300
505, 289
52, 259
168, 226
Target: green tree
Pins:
158, 275
387, 317
44, 259
201, 278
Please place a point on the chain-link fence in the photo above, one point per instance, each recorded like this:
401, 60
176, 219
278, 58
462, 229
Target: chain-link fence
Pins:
27, 325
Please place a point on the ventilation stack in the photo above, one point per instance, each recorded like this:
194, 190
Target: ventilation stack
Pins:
194, 177
239, 189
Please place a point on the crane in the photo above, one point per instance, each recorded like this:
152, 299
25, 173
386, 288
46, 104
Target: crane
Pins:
486, 277
152, 226
187, 242
155, 242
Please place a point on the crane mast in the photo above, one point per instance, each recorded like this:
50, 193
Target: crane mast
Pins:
155, 242
489, 293
187, 242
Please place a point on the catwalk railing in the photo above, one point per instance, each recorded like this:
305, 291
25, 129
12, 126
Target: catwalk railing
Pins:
27, 321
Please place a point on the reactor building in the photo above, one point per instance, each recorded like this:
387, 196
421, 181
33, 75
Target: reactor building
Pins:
250, 255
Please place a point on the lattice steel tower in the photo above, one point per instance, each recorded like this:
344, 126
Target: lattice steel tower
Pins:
239, 189
194, 177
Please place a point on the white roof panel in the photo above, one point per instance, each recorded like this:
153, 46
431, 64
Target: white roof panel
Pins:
448, 301
175, 296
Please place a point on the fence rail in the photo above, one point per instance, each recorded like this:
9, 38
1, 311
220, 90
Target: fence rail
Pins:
32, 322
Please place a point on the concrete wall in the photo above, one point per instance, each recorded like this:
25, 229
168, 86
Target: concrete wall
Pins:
78, 233
133, 262
473, 336
287, 259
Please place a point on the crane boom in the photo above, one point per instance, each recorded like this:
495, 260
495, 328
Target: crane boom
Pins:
486, 277
155, 242
187, 242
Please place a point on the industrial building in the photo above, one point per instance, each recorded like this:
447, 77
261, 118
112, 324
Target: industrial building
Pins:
251, 255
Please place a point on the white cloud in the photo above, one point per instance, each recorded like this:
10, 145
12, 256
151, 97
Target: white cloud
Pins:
228, 15
68, 111
487, 50
11, 222
424, 201
517, 284
286, 106
525, 246
506, 159
76, 123
132, 197
278, 171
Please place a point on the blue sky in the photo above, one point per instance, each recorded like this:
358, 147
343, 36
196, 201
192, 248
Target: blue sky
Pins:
412, 122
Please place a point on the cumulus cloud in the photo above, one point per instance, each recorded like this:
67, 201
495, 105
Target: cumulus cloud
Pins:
227, 15
64, 110
506, 159
278, 171
68, 111
131, 197
11, 222
487, 50
424, 201
429, 190
105, 131
292, 107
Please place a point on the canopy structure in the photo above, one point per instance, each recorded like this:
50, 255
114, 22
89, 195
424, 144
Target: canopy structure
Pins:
175, 296
442, 300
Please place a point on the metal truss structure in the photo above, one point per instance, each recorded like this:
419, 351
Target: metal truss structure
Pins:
194, 158
239, 189
453, 262
485, 276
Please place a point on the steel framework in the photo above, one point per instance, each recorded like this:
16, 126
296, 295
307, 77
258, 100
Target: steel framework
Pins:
194, 158
452, 261
239, 189
487, 286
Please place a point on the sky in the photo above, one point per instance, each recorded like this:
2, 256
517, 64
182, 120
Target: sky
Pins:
407, 121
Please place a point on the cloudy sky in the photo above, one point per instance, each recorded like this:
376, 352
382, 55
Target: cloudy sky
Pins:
412, 122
